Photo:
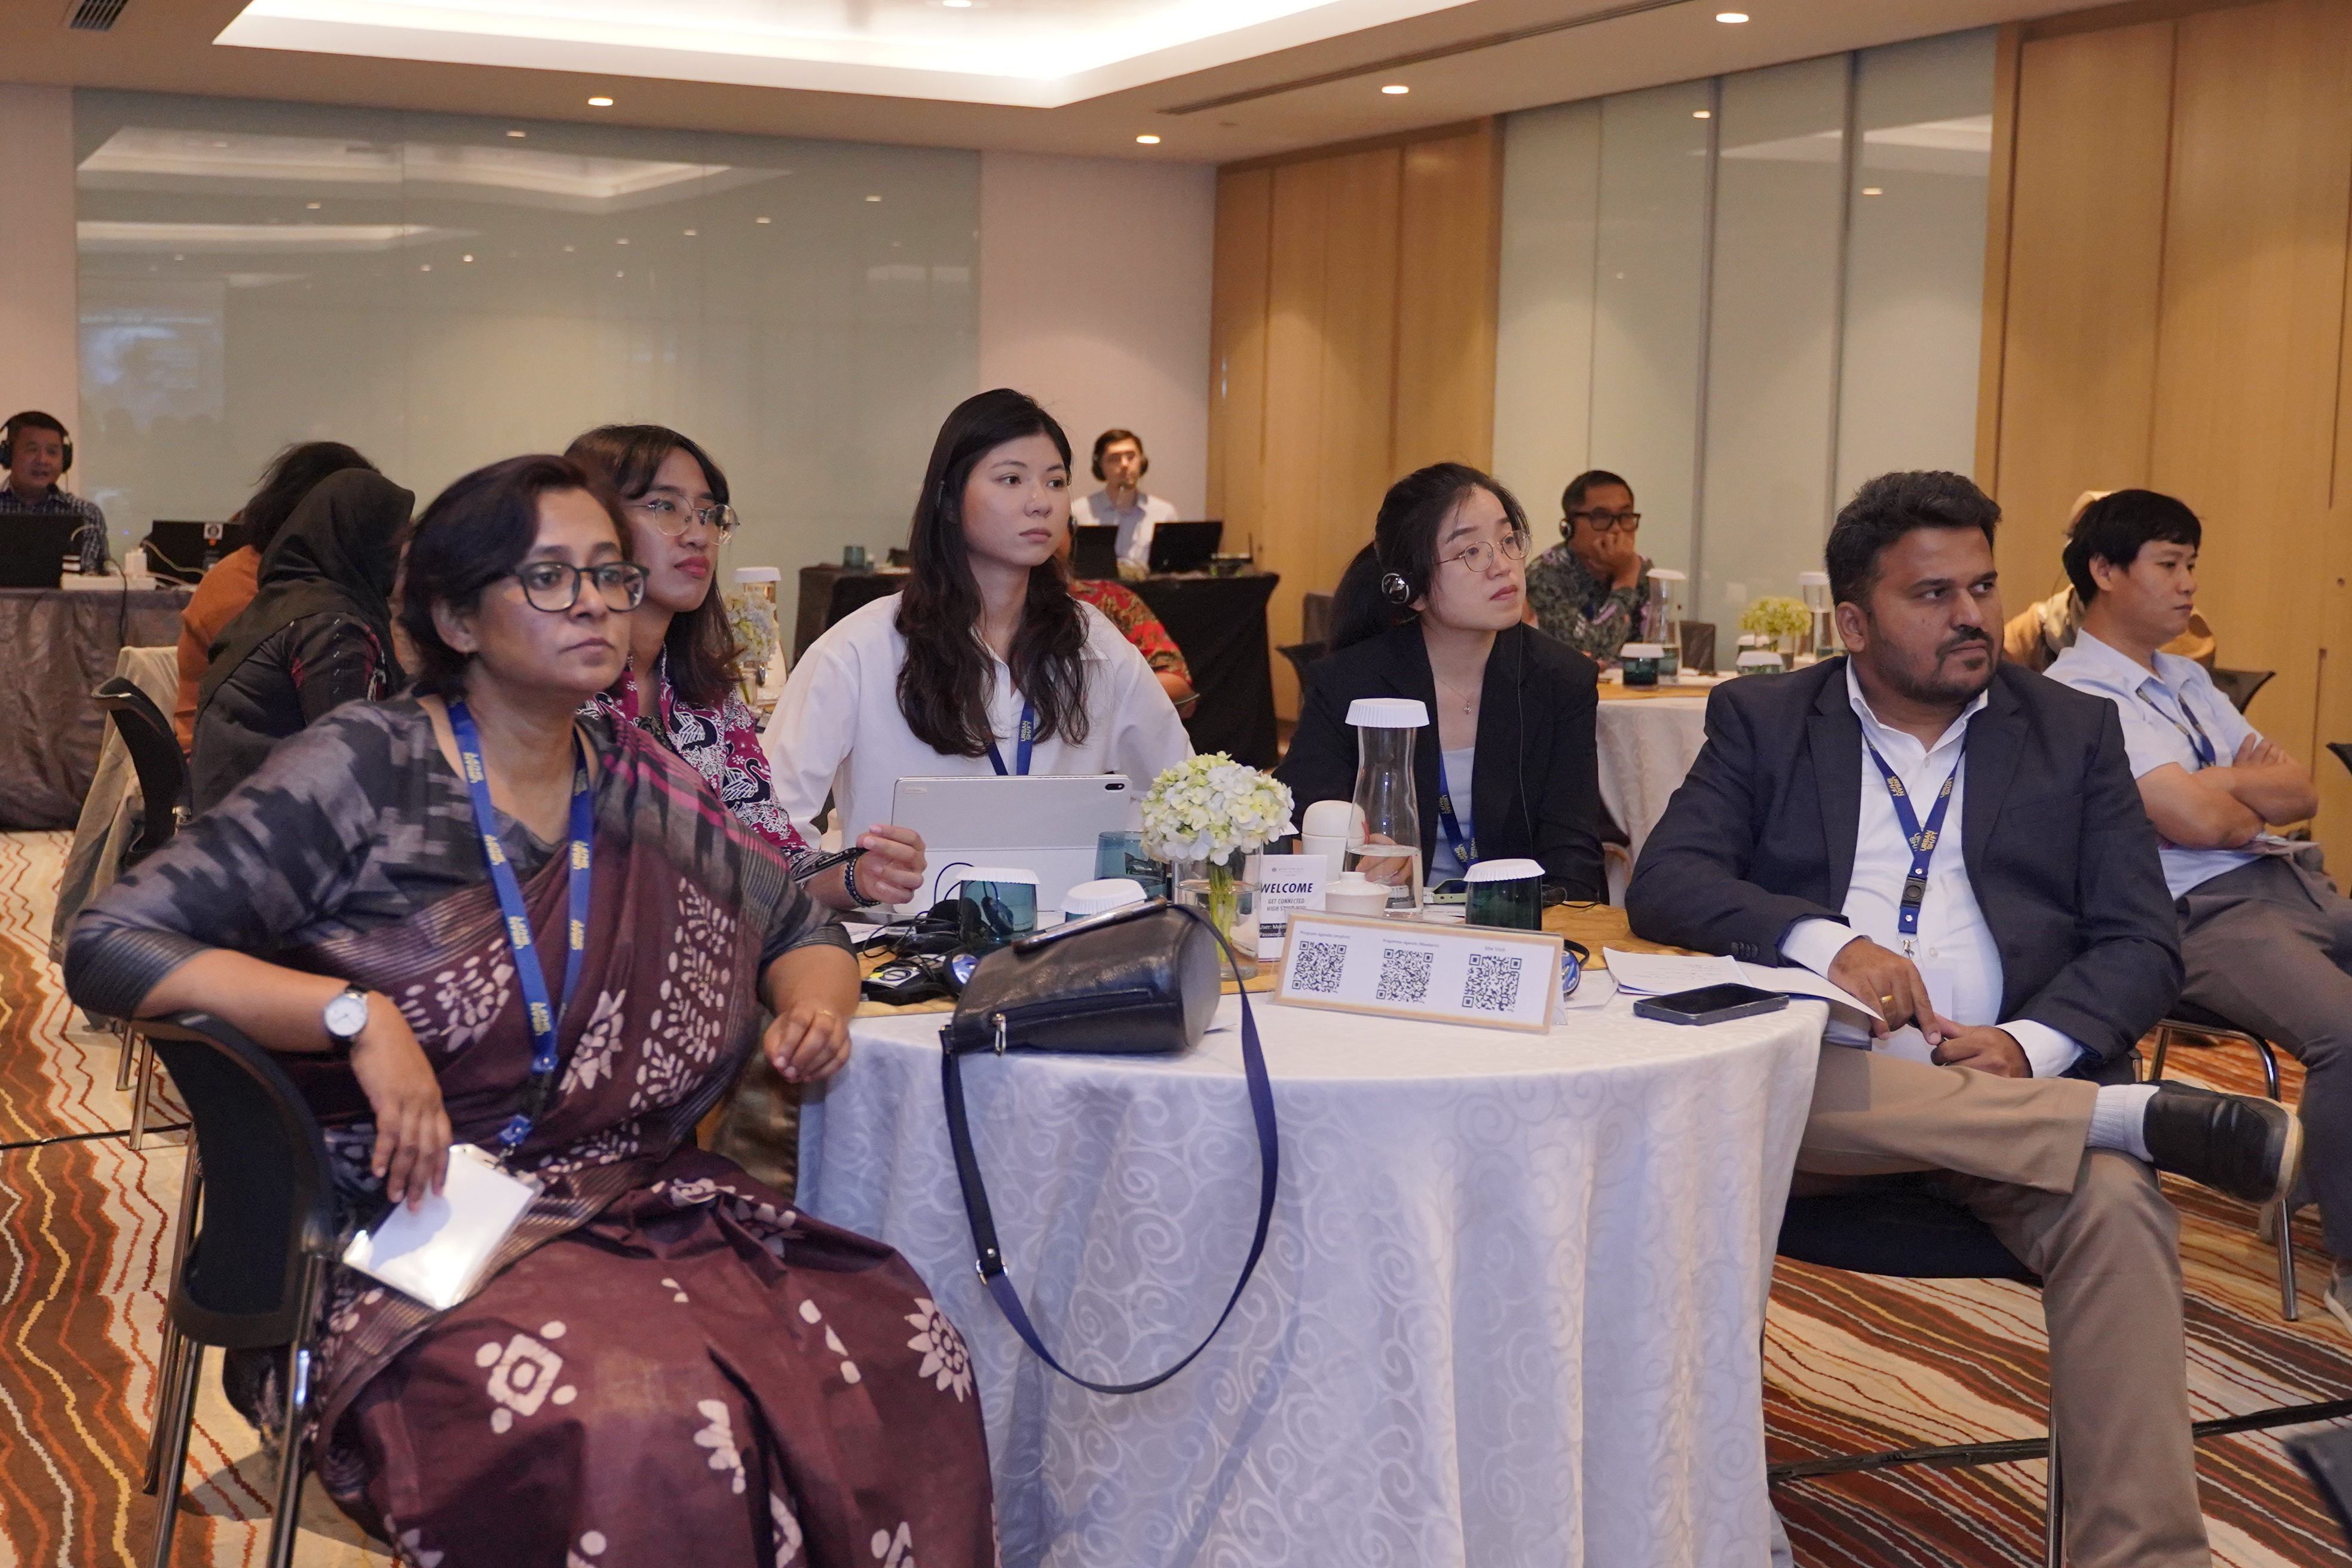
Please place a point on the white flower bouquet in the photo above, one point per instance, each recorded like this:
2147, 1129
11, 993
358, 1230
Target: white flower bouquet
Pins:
1212, 808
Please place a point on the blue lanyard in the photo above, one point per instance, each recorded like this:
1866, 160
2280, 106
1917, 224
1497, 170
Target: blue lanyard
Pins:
1922, 840
542, 1018
1465, 850
2194, 732
1028, 733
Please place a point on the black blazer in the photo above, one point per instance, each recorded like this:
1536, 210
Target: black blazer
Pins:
2060, 854
1535, 734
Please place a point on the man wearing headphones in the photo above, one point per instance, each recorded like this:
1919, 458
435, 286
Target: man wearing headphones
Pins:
1587, 590
1120, 464
36, 451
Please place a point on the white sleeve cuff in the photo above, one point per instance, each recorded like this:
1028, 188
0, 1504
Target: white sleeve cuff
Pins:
1815, 942
2048, 1052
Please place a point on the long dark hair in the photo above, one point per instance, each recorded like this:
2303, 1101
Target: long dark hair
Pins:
1402, 554
943, 685
291, 474
702, 649
476, 531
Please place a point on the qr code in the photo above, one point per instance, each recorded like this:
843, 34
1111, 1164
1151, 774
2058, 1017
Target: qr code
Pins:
1318, 966
1493, 986
1404, 974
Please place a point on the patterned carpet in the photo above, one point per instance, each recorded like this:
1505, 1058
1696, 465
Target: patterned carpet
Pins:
1853, 1365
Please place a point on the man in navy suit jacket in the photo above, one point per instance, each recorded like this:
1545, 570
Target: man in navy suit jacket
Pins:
2014, 969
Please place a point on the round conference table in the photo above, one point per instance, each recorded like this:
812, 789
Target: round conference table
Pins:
1646, 740
1509, 1312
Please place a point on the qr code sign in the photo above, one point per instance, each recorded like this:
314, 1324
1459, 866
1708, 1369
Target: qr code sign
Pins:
1318, 966
1404, 974
1493, 986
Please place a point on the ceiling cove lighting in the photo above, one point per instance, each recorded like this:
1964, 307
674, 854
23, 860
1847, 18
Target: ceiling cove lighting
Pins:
1702, 114
1733, 17
1038, 56
1149, 141
607, 103
1396, 89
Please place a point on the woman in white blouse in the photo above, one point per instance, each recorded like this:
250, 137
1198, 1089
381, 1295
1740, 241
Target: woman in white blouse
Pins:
984, 662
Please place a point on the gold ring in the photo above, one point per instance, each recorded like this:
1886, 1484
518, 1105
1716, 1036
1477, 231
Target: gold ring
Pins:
1887, 1000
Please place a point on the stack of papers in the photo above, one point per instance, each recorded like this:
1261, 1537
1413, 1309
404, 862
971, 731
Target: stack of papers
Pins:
1661, 973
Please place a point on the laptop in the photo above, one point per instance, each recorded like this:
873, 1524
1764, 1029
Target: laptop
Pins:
183, 551
34, 547
1042, 823
1184, 546
1094, 551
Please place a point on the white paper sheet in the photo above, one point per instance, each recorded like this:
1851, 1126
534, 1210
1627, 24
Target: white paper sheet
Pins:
437, 1251
1659, 974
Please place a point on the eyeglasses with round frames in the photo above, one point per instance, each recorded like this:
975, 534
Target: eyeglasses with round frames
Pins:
554, 585
1480, 556
1608, 522
671, 517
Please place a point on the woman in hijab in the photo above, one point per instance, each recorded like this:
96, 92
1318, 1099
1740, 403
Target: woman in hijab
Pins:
318, 634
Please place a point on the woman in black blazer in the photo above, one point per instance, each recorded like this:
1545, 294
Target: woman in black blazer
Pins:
1431, 609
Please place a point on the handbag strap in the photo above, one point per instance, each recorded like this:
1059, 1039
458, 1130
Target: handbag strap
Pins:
990, 1262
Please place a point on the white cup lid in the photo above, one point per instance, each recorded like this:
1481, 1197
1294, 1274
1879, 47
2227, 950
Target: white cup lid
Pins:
1329, 819
1387, 713
1641, 650
1016, 875
1351, 880
1755, 658
1104, 893
1504, 871
758, 575
1668, 575
1812, 579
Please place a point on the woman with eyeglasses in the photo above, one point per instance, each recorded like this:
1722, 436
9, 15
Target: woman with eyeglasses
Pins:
1588, 590
680, 682
665, 1363
1431, 609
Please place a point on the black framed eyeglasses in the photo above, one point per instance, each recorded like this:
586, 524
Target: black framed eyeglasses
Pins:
1608, 522
671, 517
554, 585
1482, 555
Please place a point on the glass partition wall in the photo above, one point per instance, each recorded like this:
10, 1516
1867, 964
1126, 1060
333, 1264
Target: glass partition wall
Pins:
441, 291
1746, 295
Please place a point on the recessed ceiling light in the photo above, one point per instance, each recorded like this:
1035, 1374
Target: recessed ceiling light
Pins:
426, 268
567, 250
620, 242
1149, 141
1702, 114
874, 198
312, 205
1731, 15
689, 233
607, 103
466, 259
760, 220
1871, 191
518, 135
957, 5
1396, 89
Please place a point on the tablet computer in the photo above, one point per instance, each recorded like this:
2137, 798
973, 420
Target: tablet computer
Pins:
1045, 822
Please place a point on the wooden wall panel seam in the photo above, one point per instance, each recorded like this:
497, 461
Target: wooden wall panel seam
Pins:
1993, 331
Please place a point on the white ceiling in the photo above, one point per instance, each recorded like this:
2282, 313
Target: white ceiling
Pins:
1215, 79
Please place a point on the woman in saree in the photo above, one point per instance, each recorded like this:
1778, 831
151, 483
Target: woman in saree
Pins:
664, 1362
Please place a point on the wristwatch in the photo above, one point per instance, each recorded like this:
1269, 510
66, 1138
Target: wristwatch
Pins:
346, 1015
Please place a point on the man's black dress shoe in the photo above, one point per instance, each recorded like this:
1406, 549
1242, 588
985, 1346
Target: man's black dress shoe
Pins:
2233, 1143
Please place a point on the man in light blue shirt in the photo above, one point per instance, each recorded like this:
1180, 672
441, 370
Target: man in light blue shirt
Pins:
2265, 938
1122, 503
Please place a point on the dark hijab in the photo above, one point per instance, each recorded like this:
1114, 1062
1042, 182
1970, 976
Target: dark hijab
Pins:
338, 552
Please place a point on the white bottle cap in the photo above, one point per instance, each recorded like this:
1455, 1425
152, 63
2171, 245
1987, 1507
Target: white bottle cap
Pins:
1387, 713
1329, 819
1641, 650
758, 575
1668, 575
1504, 871
1104, 893
1812, 579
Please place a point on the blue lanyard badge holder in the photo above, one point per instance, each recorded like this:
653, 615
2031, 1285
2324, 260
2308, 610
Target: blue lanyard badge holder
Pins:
1921, 841
1021, 755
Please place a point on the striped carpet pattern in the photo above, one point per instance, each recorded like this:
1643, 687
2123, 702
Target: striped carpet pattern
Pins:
1853, 1365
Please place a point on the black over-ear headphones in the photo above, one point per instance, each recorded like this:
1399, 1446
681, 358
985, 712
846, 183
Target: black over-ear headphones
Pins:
1142, 469
8, 442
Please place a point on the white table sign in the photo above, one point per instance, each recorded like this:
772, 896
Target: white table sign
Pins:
1496, 978
1286, 884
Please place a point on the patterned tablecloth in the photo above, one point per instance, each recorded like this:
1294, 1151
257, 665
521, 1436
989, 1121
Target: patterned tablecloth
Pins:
58, 645
1510, 1310
1647, 745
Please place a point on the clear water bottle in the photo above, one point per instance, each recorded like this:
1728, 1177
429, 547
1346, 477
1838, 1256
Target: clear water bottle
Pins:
1386, 844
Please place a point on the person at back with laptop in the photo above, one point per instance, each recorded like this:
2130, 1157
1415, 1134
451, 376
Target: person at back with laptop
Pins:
225, 590
1121, 463
984, 662
36, 451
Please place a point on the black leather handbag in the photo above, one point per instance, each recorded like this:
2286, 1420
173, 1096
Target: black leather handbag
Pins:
1136, 981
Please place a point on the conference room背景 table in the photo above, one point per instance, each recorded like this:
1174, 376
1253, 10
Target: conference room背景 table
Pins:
60, 644
1219, 623
1509, 1312
1647, 737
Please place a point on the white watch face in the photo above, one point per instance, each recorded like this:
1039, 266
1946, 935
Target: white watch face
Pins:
346, 1016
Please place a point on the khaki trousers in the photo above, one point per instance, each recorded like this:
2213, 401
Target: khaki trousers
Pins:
2094, 1226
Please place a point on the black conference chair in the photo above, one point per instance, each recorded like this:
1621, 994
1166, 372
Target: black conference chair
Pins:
1901, 1229
163, 774
2188, 1018
2239, 685
249, 1274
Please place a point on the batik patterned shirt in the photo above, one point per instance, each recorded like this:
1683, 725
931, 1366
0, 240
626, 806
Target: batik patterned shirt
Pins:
1126, 610
1580, 610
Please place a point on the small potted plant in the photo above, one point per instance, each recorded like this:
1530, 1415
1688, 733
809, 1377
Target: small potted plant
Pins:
1780, 618
1206, 816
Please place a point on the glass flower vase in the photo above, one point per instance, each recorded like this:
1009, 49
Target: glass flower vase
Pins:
1225, 892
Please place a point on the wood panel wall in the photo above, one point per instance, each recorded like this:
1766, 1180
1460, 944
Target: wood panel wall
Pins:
1352, 341
2169, 307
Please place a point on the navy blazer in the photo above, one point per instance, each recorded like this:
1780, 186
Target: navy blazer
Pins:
1534, 786
2061, 855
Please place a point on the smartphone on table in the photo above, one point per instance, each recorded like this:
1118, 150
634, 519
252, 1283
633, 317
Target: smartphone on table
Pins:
1709, 1005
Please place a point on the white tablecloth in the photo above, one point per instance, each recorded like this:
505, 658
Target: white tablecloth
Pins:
1646, 746
1509, 1313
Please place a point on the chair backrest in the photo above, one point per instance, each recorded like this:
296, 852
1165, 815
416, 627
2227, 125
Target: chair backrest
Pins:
1903, 1231
2239, 685
1301, 654
154, 757
2343, 749
268, 1191
1315, 617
